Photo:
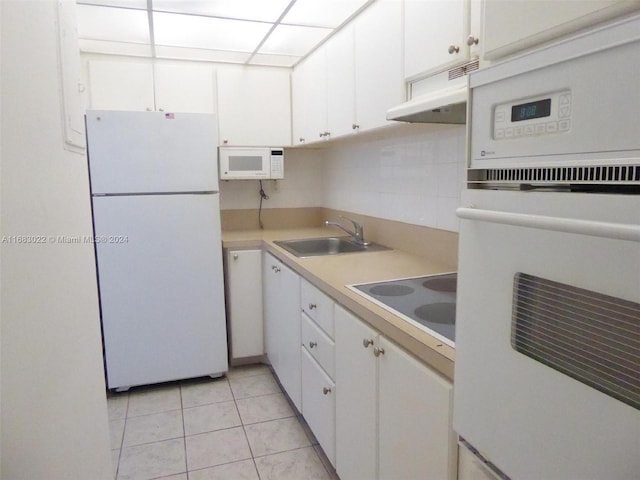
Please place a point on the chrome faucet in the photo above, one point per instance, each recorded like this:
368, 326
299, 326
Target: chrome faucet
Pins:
358, 234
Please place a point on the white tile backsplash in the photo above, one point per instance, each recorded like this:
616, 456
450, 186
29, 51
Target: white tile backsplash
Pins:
413, 175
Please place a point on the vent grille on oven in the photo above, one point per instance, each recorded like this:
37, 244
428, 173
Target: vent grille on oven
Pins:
591, 337
463, 69
589, 175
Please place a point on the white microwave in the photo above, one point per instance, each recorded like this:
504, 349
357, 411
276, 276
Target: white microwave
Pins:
251, 163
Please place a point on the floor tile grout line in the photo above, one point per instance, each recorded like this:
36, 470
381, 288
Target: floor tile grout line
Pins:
124, 429
184, 434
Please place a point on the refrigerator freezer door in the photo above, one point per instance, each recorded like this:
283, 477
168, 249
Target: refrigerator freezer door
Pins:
149, 152
161, 288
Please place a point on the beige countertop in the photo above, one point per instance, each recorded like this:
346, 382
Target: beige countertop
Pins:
330, 273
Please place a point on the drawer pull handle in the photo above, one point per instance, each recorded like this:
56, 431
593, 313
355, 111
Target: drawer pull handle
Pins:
326, 390
377, 351
313, 344
366, 342
312, 306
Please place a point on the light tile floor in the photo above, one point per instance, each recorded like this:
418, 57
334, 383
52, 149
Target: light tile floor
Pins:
241, 427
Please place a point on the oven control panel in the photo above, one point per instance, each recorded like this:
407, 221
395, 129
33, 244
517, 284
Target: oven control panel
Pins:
541, 115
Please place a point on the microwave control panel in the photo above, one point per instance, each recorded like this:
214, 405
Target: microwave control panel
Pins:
277, 164
535, 116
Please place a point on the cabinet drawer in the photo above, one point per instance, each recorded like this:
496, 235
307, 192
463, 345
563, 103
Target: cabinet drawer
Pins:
319, 405
318, 306
318, 344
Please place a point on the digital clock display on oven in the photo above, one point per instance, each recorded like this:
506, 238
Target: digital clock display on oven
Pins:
527, 111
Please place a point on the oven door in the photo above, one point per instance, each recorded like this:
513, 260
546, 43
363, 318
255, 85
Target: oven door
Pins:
548, 333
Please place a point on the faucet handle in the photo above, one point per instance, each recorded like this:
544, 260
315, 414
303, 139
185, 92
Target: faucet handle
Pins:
359, 230
356, 225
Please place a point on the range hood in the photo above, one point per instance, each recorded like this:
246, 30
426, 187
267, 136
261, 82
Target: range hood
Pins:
439, 98
442, 106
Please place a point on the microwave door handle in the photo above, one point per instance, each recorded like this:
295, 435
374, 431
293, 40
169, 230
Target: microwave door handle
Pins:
619, 231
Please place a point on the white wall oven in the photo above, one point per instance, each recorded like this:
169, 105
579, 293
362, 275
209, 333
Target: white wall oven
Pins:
547, 379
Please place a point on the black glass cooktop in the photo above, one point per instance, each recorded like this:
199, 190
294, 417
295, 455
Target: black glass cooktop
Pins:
428, 301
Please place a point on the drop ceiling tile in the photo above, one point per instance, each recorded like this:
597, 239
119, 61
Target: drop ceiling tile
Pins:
259, 10
206, 32
114, 24
322, 13
292, 40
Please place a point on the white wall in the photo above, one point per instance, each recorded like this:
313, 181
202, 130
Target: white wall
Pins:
54, 413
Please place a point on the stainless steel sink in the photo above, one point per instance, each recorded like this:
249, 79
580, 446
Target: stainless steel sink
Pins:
311, 247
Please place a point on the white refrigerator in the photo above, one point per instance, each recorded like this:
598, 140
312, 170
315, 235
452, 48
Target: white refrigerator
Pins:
156, 216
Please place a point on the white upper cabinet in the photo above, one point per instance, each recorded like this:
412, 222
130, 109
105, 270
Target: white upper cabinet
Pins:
511, 26
185, 88
435, 35
309, 96
139, 86
349, 83
254, 106
379, 82
121, 85
340, 83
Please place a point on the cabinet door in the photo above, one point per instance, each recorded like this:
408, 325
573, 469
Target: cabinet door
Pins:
309, 97
510, 26
431, 28
319, 406
289, 318
282, 323
185, 88
416, 438
340, 83
121, 85
270, 286
378, 63
254, 106
244, 292
356, 398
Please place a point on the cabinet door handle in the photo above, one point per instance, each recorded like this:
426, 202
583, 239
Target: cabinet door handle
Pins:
366, 342
312, 306
313, 344
472, 40
301, 139
326, 390
453, 49
276, 270
377, 351
355, 126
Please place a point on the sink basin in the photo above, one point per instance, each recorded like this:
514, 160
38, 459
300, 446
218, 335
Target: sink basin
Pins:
311, 247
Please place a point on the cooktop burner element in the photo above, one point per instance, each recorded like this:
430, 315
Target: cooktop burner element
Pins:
428, 302
444, 313
441, 284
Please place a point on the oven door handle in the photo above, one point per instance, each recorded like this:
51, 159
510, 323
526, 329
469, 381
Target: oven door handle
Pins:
618, 231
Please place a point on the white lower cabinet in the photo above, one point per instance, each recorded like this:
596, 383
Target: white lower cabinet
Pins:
319, 404
244, 303
393, 413
356, 398
281, 298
